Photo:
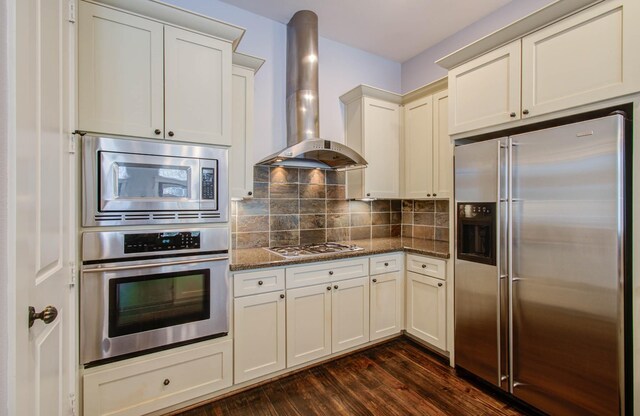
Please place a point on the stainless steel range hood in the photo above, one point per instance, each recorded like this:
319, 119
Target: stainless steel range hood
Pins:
305, 148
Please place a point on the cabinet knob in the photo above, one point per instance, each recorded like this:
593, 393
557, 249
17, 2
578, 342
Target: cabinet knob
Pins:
439, 284
386, 265
166, 382
157, 131
249, 193
434, 194
424, 266
335, 287
330, 272
428, 194
260, 282
282, 296
170, 134
368, 194
512, 115
328, 287
374, 280
525, 111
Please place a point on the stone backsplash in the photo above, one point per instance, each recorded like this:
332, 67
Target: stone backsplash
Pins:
301, 206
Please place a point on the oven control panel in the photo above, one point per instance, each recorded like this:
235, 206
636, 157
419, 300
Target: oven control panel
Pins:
165, 241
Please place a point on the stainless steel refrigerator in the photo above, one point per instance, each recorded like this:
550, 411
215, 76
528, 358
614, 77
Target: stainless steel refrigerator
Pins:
539, 265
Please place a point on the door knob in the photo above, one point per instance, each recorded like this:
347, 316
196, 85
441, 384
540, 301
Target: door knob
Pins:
48, 315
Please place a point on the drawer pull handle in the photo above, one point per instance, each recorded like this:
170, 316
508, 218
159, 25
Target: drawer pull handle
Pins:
328, 287
386, 265
260, 282
374, 280
282, 296
335, 287
166, 382
330, 273
439, 284
424, 266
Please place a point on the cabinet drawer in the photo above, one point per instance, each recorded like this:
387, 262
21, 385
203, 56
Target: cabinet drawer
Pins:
261, 281
385, 264
326, 272
153, 384
426, 265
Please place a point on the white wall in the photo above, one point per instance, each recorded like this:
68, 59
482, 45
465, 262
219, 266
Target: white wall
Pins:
421, 69
341, 68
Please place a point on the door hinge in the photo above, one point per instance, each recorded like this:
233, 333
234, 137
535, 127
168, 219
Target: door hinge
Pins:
72, 11
72, 143
72, 404
72, 280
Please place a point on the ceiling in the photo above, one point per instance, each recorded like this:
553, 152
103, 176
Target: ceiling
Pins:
395, 29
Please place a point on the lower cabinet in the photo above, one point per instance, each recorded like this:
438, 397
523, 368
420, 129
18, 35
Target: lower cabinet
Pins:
259, 323
426, 309
327, 318
158, 381
386, 305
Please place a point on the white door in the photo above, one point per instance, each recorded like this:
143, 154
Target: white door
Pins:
386, 305
308, 323
44, 207
197, 71
381, 148
442, 148
349, 313
418, 149
426, 309
259, 335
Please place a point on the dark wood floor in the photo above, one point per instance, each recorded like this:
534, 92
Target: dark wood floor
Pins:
395, 378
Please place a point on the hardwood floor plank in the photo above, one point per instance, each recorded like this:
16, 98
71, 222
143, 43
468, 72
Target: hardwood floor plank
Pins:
397, 378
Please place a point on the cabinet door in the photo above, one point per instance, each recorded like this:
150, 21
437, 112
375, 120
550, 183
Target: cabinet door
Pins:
381, 148
590, 56
197, 88
120, 79
418, 148
308, 323
442, 148
259, 331
241, 152
426, 309
485, 91
386, 305
349, 313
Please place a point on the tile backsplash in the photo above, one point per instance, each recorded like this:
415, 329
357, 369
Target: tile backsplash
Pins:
301, 206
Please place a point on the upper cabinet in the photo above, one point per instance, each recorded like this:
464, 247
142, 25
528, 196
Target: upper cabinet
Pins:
373, 129
141, 77
428, 152
241, 152
584, 58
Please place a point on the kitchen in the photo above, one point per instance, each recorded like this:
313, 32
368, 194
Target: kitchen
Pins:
289, 228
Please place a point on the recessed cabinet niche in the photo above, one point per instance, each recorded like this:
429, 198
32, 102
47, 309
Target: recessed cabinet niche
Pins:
143, 78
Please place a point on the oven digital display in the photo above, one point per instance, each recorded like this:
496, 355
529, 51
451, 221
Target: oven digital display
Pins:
149, 242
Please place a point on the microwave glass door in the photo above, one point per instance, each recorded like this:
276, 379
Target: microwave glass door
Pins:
134, 182
143, 303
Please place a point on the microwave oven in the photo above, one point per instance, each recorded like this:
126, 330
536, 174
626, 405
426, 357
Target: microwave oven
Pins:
136, 181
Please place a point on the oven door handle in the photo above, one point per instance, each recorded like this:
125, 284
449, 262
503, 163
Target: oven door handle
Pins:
149, 265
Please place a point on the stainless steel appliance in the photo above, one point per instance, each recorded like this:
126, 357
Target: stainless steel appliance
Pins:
129, 182
313, 249
150, 289
539, 265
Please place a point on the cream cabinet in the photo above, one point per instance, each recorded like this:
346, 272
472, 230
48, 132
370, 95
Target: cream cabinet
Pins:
241, 152
428, 152
327, 308
386, 296
373, 129
139, 77
584, 58
426, 309
259, 323
156, 381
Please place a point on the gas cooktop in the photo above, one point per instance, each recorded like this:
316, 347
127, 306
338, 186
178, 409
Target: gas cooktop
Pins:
313, 249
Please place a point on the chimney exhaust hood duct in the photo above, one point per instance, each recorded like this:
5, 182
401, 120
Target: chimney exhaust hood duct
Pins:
304, 147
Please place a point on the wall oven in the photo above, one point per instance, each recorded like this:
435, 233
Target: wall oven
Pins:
151, 289
135, 181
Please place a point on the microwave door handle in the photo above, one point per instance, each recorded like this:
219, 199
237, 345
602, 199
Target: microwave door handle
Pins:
149, 265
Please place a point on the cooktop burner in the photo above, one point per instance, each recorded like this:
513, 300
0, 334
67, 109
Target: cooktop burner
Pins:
313, 249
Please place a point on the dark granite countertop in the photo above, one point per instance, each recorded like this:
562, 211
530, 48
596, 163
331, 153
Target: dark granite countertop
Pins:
256, 258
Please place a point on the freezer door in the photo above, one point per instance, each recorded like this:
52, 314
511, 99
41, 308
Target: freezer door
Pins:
567, 267
476, 171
